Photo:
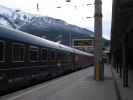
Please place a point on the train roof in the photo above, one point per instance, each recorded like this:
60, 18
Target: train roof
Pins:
14, 34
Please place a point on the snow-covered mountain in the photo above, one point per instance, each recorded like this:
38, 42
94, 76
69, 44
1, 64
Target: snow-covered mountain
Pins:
20, 19
43, 26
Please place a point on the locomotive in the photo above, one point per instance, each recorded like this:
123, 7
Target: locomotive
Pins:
26, 60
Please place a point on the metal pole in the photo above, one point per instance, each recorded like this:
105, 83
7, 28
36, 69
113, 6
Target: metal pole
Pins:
124, 64
70, 39
37, 8
99, 70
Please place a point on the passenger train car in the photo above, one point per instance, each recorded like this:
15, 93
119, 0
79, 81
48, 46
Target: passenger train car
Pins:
26, 59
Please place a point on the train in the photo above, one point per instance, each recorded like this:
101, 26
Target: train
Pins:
26, 59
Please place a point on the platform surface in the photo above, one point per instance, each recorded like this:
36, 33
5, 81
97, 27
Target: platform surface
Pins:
76, 86
126, 93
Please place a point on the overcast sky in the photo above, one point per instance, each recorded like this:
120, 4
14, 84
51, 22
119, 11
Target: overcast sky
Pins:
74, 12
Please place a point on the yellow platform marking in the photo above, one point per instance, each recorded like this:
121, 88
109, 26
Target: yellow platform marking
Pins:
98, 72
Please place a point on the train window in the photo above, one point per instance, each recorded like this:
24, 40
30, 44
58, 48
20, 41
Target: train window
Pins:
2, 50
43, 54
51, 55
67, 56
64, 56
34, 53
18, 51
60, 55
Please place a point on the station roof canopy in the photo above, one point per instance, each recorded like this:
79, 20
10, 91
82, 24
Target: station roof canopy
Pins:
122, 23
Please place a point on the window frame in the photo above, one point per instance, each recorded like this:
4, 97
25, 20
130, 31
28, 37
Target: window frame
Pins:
31, 48
50, 55
42, 54
24, 50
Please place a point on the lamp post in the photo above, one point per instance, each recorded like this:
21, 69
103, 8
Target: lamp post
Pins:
70, 39
99, 68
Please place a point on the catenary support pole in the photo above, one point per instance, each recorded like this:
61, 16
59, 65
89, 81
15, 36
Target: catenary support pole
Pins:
99, 70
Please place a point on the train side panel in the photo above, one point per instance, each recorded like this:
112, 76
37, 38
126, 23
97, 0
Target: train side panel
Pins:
82, 61
26, 60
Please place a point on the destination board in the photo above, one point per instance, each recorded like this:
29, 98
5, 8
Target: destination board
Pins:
83, 42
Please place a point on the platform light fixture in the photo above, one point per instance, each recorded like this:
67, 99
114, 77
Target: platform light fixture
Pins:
58, 7
68, 0
89, 4
89, 17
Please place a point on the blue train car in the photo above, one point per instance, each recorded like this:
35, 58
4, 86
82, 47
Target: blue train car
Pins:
26, 59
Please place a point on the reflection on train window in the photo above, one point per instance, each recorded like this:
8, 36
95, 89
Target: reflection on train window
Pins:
2, 51
18, 51
44, 54
51, 55
34, 53
68, 56
60, 55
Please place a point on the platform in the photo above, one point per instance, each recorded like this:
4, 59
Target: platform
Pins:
76, 86
126, 93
